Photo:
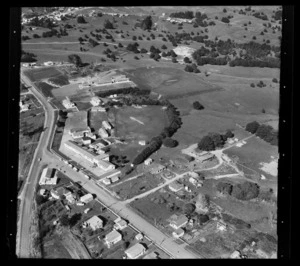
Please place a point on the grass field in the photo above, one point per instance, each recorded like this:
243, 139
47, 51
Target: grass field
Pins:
38, 74
169, 81
152, 121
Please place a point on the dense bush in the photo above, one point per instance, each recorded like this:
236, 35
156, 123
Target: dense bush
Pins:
198, 106
108, 25
184, 15
245, 191
171, 143
146, 24
80, 19
75, 59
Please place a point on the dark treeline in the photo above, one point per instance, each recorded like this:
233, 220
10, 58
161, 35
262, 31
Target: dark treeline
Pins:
265, 132
185, 15
130, 90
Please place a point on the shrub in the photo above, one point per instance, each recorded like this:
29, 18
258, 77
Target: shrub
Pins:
168, 142
198, 106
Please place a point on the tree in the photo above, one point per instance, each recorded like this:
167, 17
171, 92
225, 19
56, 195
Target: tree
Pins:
217, 139
198, 106
36, 36
143, 51
202, 218
75, 59
224, 188
189, 208
187, 60
108, 25
80, 19
64, 220
252, 85
147, 23
74, 219
252, 127
228, 134
263, 110
40, 199
245, 191
275, 80
206, 144
164, 47
171, 143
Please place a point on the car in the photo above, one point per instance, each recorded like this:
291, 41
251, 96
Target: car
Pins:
39, 159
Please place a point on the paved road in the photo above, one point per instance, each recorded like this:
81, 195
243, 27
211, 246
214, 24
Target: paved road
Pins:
23, 237
26, 195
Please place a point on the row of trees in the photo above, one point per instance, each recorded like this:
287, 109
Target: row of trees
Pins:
265, 132
185, 15
214, 140
241, 191
129, 90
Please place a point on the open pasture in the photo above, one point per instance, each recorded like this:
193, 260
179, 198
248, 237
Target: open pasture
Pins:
38, 74
169, 81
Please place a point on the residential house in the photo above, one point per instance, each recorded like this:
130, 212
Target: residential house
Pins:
120, 224
148, 161
157, 168
67, 103
179, 222
139, 236
79, 132
86, 140
114, 179
87, 198
70, 197
95, 101
95, 222
106, 125
24, 107
103, 133
135, 251
48, 177
175, 186
178, 233
235, 255
106, 181
112, 238
90, 135
58, 193
142, 142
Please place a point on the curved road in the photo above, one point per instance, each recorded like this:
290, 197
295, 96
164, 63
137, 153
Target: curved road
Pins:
27, 194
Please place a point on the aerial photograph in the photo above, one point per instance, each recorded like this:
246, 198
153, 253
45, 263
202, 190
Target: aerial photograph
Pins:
149, 132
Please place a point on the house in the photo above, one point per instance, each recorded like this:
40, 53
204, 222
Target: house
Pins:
114, 179
112, 238
230, 141
95, 222
142, 142
58, 193
120, 224
70, 197
175, 186
106, 125
106, 181
47, 177
135, 251
179, 222
43, 192
86, 140
221, 226
67, 103
193, 181
148, 161
235, 255
139, 236
103, 133
178, 233
157, 168
24, 107
95, 101
87, 198
79, 132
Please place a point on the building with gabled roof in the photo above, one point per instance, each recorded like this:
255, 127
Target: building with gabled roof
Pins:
135, 251
95, 101
179, 222
48, 177
112, 238
94, 222
175, 186
106, 125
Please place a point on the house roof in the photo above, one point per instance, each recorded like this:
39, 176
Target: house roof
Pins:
179, 231
181, 220
86, 197
135, 250
110, 237
94, 220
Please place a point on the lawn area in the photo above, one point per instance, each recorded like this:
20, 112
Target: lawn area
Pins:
54, 249
139, 185
138, 124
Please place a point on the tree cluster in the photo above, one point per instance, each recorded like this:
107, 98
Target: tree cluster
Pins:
27, 57
214, 140
41, 22
75, 59
198, 106
108, 25
260, 15
133, 47
146, 24
192, 68
185, 15
81, 20
265, 132
92, 42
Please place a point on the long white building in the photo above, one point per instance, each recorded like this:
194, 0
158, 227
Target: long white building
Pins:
101, 160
